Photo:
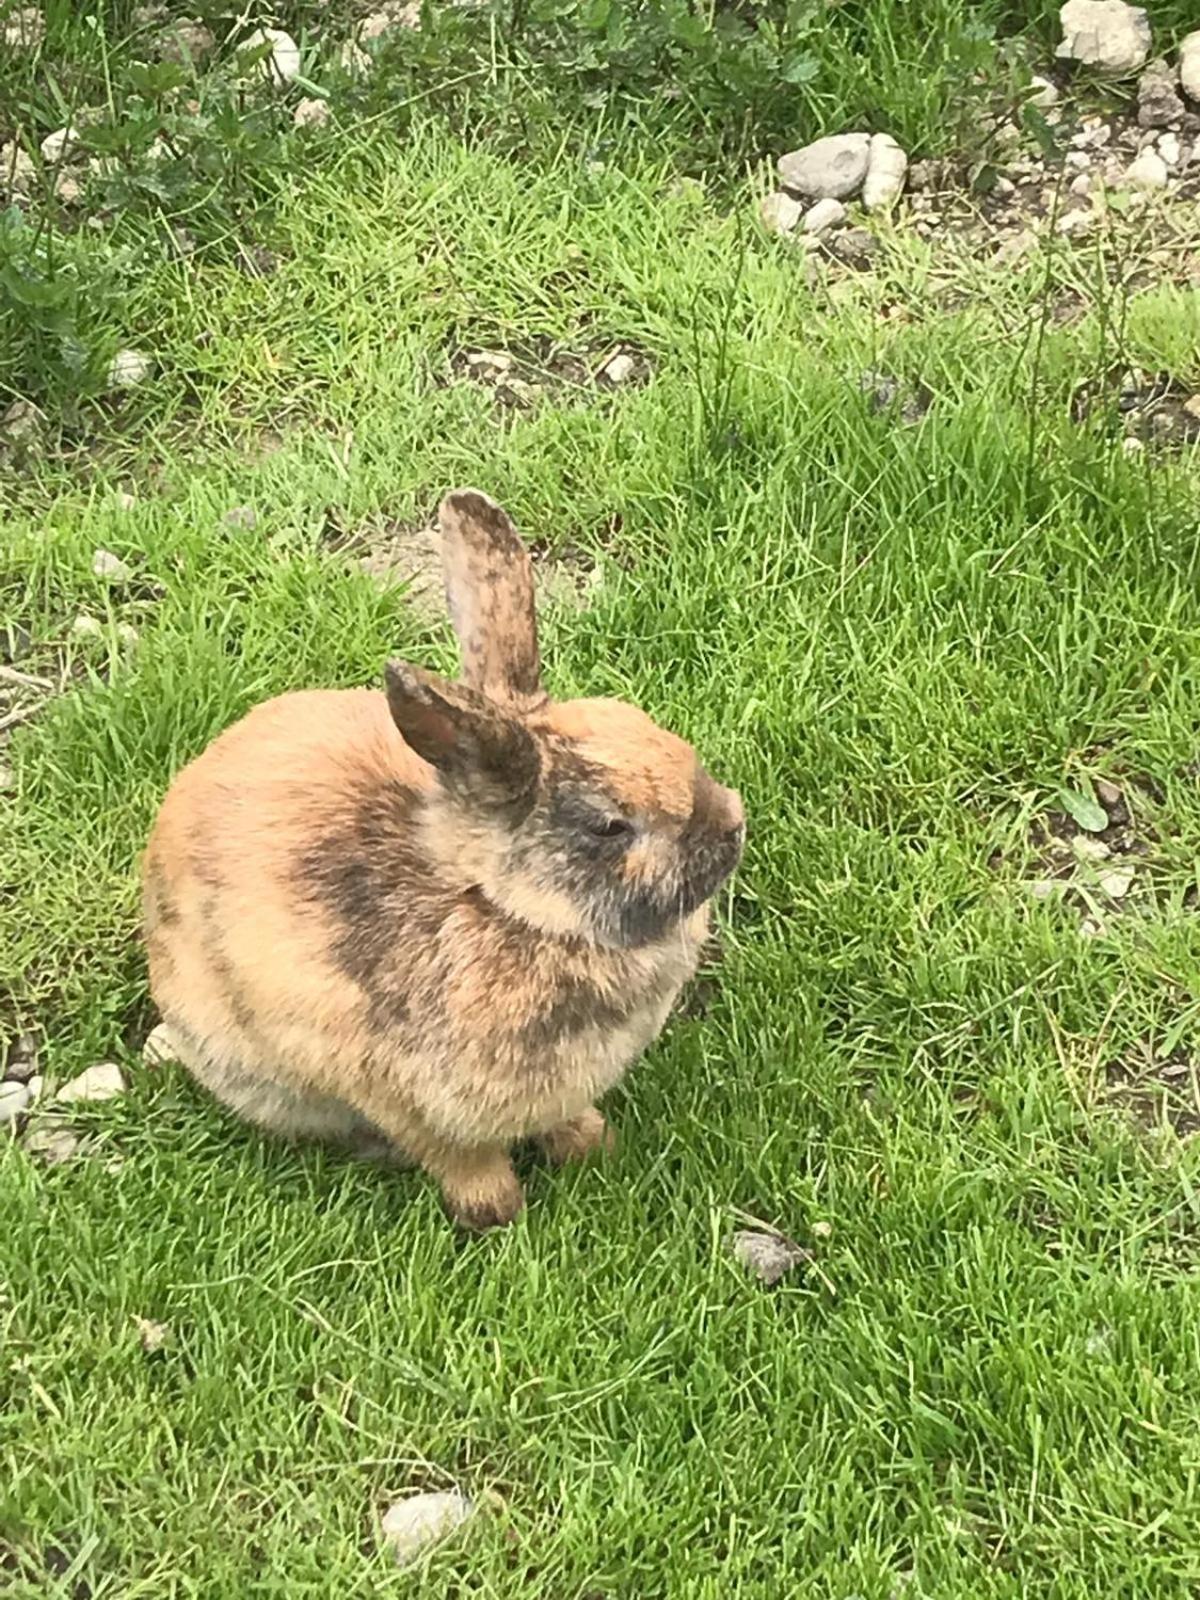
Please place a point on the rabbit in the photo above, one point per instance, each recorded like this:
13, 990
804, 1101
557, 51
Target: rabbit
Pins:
432, 922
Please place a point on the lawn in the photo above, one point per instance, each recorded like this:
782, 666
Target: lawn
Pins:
902, 634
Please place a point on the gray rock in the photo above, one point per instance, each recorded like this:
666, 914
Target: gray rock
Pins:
281, 64
14, 1099
824, 215
856, 247
53, 1143
311, 114
831, 168
18, 170
1159, 104
412, 1525
110, 567
186, 41
1044, 92
23, 29
767, 1255
1109, 35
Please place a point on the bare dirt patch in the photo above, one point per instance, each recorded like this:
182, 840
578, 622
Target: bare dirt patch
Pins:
1159, 1091
526, 373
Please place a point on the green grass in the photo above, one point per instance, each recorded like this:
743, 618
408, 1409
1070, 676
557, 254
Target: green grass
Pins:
898, 642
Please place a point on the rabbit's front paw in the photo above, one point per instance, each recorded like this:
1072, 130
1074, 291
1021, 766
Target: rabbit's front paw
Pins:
572, 1141
482, 1191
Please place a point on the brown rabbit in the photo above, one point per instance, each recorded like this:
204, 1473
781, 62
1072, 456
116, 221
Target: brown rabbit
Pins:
432, 922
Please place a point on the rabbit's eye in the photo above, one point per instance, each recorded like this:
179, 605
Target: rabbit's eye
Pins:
610, 827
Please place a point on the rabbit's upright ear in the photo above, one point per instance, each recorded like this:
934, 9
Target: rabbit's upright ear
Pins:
489, 587
478, 749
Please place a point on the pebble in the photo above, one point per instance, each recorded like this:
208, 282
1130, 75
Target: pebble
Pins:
618, 369
7, 776
23, 29
824, 215
281, 65
780, 212
1189, 65
102, 1082
187, 42
1045, 888
14, 1100
18, 170
1045, 92
54, 1144
354, 59
400, 14
242, 518
1076, 221
85, 627
1087, 848
767, 1255
1109, 35
857, 247
1109, 794
1149, 171
159, 1049
1081, 186
123, 500
1132, 447
1170, 149
833, 167
55, 145
887, 166
105, 565
1117, 883
35, 1086
311, 114
128, 368
126, 634
1159, 104
412, 1525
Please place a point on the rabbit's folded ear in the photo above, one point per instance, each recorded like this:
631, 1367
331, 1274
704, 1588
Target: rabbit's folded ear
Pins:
489, 587
478, 750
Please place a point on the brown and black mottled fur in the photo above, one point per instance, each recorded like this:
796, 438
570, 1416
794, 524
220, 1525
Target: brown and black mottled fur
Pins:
434, 921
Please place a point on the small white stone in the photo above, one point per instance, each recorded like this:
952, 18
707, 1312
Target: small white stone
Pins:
35, 1086
354, 59
127, 634
824, 215
1081, 186
124, 501
1117, 883
18, 170
780, 212
128, 368
1003, 188
769, 1256
14, 1099
67, 188
281, 65
159, 1049
415, 1523
23, 29
1045, 888
398, 14
1091, 929
106, 565
8, 777
1189, 65
1132, 447
1072, 222
1044, 92
1087, 848
311, 114
1077, 160
53, 1145
619, 369
85, 627
1149, 171
1170, 149
1109, 35
55, 145
887, 167
102, 1082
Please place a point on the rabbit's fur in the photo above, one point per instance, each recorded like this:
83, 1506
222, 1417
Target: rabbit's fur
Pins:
434, 921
